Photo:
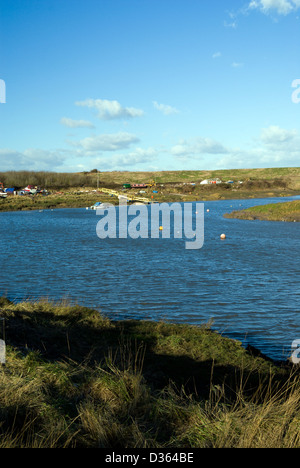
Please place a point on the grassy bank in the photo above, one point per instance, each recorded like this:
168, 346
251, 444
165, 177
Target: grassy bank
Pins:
72, 199
288, 211
75, 379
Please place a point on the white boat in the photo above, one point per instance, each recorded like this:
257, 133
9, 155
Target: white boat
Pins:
99, 206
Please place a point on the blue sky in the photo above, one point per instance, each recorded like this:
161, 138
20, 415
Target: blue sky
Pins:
149, 84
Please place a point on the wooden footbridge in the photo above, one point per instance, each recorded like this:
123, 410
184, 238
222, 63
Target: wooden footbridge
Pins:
128, 198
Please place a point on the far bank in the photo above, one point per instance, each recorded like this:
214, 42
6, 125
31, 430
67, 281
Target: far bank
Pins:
287, 212
85, 189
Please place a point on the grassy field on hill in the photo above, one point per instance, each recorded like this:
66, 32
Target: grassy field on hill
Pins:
75, 379
162, 177
52, 180
80, 190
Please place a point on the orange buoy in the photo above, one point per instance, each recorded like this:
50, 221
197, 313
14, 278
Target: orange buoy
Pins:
223, 236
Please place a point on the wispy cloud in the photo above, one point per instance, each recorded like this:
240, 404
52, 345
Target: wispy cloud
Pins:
237, 65
197, 148
109, 110
274, 147
106, 142
216, 55
267, 7
277, 137
138, 156
165, 108
70, 123
34, 159
281, 7
230, 24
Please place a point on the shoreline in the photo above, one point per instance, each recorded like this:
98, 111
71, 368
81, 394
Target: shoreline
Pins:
51, 202
249, 348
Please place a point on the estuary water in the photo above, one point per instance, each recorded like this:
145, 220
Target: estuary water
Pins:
247, 285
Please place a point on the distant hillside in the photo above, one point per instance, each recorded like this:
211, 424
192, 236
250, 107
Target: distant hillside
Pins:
53, 180
291, 174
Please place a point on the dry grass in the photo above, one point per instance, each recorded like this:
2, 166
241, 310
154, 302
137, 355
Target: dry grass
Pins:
137, 384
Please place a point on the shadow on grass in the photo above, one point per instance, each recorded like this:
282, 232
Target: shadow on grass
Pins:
161, 353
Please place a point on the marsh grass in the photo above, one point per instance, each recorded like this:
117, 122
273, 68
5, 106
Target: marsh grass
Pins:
287, 211
75, 379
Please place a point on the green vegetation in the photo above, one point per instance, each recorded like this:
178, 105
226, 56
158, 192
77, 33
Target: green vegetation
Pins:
80, 190
75, 379
288, 211
48, 180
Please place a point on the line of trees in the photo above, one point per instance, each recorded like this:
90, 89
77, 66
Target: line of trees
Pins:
47, 180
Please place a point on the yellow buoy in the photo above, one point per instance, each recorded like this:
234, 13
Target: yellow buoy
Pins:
160, 228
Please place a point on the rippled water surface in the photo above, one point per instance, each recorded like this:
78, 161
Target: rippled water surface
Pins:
248, 284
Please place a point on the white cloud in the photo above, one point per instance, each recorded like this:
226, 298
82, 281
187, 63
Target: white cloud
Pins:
276, 147
165, 108
237, 65
198, 147
136, 157
106, 142
267, 7
76, 123
32, 159
78, 159
259, 157
281, 7
275, 135
231, 24
109, 110
216, 55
